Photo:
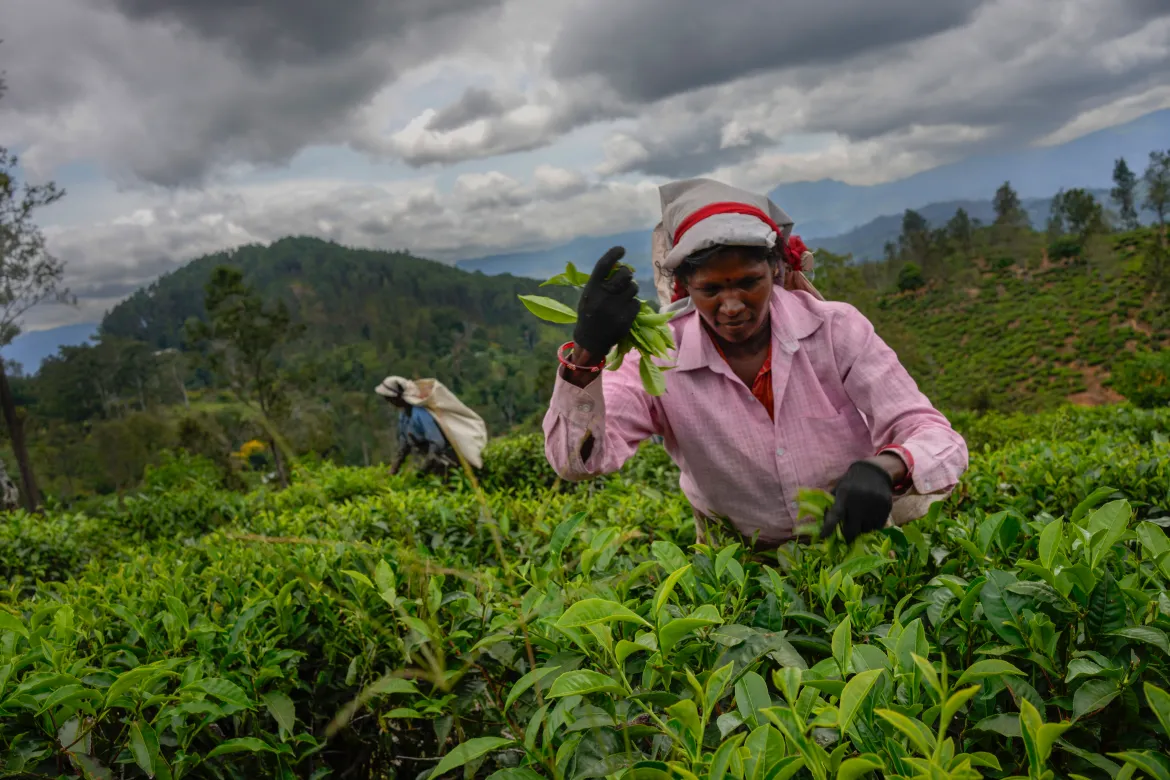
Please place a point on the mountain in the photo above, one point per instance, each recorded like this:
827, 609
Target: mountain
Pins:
829, 208
582, 251
848, 218
30, 349
368, 314
401, 303
866, 242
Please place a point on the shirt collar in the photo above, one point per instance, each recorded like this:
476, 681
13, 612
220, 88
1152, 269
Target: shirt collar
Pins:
791, 321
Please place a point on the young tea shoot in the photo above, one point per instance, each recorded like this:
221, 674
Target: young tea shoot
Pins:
651, 335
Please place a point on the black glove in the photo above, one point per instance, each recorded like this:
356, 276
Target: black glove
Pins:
862, 501
608, 306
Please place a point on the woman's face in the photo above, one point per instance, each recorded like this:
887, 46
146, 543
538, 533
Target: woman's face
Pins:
732, 292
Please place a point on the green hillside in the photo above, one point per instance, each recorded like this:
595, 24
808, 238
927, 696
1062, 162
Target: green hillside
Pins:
1013, 335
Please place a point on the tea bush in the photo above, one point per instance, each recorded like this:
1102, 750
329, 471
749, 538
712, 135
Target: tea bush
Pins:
358, 625
1145, 379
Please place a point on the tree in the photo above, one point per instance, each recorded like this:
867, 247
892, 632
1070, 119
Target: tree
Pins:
1157, 181
962, 231
910, 278
1124, 194
29, 275
1056, 217
1082, 213
915, 239
1009, 211
243, 340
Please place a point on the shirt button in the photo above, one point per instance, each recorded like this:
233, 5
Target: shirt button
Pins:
585, 407
794, 506
780, 452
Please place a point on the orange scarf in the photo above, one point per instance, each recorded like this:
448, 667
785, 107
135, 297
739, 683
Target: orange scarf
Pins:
762, 385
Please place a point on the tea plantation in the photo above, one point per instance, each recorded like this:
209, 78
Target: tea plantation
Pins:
361, 626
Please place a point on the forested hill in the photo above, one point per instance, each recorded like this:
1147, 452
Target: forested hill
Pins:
391, 299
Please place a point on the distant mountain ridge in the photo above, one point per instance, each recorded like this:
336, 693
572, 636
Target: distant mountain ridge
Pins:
842, 217
30, 349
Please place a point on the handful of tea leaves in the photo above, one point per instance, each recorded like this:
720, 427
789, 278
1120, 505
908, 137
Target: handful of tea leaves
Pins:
650, 334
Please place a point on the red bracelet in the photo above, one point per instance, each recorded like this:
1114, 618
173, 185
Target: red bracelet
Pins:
570, 366
908, 459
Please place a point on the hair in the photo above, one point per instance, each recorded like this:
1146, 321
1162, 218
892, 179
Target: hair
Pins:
692, 262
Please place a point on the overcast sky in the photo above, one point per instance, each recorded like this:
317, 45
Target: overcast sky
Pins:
458, 128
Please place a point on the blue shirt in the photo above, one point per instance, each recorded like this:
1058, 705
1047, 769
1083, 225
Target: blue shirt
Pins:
417, 429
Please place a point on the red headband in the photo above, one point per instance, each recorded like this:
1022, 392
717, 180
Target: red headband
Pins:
726, 207
794, 248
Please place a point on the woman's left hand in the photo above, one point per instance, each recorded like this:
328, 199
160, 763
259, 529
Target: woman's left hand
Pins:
862, 502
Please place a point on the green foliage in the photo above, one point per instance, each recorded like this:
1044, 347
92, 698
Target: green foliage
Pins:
364, 626
1077, 211
910, 278
1157, 181
1124, 194
1026, 339
1009, 211
1145, 379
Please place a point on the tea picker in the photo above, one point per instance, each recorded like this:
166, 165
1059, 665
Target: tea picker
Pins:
433, 425
769, 388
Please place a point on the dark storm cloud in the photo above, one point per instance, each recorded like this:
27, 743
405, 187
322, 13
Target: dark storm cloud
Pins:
657, 48
268, 32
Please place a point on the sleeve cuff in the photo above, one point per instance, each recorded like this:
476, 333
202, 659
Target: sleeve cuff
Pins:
580, 405
931, 472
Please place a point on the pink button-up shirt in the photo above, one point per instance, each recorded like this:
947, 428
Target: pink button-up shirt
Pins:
840, 395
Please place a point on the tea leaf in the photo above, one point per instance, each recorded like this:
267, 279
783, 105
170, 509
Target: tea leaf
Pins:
1091, 501
1094, 695
853, 696
590, 611
1148, 634
224, 690
843, 646
667, 588
920, 736
1106, 608
468, 751
853, 768
548, 309
281, 708
983, 669
144, 746
12, 623
1051, 538
240, 745
930, 676
1159, 702
526, 682
582, 682
652, 378
1145, 761
751, 697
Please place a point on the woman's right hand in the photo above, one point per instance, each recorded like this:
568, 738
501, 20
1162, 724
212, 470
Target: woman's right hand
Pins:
607, 308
